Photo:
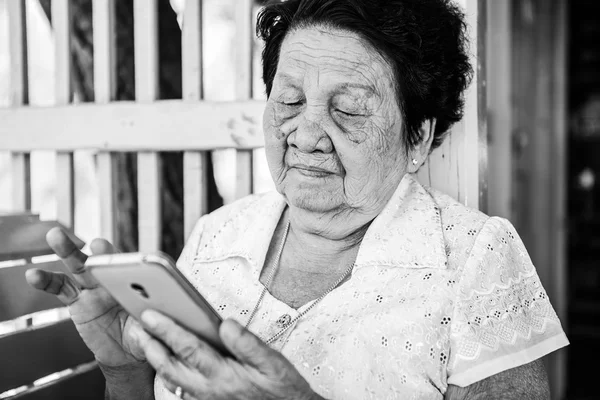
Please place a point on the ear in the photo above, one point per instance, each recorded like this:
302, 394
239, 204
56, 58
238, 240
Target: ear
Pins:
421, 151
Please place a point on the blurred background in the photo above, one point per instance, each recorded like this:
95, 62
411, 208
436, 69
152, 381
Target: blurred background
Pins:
540, 67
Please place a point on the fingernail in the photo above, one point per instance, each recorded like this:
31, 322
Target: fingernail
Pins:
150, 318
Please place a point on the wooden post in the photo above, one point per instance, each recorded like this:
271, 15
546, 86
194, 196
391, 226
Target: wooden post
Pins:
19, 96
195, 184
146, 90
104, 92
499, 56
65, 173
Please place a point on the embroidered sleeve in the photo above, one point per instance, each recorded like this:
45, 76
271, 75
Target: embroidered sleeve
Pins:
502, 315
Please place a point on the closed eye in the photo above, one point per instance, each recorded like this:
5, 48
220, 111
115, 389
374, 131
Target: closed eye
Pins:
349, 114
296, 103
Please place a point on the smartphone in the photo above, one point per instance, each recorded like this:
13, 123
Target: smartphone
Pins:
152, 281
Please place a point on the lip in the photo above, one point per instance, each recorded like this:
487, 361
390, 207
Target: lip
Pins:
312, 171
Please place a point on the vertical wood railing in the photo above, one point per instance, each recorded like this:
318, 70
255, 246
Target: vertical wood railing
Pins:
19, 96
195, 163
243, 87
105, 89
65, 172
146, 90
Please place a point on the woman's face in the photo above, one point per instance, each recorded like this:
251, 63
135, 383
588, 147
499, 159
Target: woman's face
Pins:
333, 127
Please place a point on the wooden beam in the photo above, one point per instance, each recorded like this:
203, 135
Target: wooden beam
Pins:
167, 125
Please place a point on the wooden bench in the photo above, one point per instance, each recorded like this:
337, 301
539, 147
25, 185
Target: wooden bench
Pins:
38, 360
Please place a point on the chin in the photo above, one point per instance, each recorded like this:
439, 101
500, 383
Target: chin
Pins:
313, 200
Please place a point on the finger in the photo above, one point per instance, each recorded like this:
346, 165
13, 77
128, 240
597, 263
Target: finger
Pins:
170, 369
135, 338
56, 283
184, 344
172, 387
71, 256
102, 246
248, 348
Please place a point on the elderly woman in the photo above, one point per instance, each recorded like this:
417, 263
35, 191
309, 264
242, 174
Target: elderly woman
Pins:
351, 281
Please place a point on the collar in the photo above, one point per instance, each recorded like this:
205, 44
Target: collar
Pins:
407, 233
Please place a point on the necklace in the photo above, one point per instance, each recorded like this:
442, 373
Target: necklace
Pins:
287, 324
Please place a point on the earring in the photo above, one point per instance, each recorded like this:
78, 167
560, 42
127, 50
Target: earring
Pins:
415, 161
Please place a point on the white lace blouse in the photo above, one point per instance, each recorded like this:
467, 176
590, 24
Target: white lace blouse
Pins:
440, 294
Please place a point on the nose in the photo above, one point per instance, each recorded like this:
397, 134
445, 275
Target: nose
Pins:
310, 137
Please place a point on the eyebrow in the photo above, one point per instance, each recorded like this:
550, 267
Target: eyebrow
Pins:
343, 87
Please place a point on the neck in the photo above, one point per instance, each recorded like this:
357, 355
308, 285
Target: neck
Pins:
333, 243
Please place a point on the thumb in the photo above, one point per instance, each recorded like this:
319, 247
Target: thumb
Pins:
247, 348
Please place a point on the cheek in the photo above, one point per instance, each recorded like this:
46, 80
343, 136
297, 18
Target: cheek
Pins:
370, 149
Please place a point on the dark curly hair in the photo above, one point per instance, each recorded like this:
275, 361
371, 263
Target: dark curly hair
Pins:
424, 41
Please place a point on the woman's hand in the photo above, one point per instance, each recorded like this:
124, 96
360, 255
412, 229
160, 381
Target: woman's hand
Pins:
258, 372
105, 327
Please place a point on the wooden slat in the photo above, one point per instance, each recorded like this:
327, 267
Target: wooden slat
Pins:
243, 49
17, 28
167, 125
35, 353
65, 189
191, 47
146, 49
107, 182
19, 239
243, 78
105, 90
195, 202
86, 383
195, 165
21, 181
149, 202
61, 24
17, 298
499, 56
243, 175
105, 87
19, 95
147, 90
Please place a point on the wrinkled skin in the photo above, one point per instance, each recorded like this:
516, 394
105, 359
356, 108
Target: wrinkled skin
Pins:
333, 106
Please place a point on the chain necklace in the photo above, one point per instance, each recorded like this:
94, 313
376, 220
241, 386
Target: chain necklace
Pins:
291, 322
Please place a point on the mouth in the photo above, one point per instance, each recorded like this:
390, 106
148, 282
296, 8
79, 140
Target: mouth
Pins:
312, 171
